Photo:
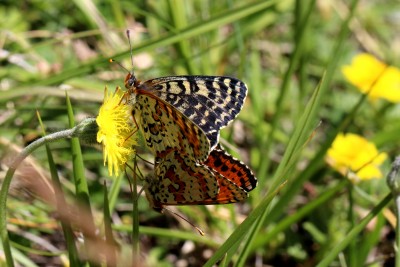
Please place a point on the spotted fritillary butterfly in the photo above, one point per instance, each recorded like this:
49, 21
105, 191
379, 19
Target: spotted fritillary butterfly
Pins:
180, 118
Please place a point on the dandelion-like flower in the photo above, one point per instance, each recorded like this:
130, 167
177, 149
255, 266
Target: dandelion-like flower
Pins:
116, 131
374, 77
354, 156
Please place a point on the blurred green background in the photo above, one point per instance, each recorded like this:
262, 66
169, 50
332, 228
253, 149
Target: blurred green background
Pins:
280, 49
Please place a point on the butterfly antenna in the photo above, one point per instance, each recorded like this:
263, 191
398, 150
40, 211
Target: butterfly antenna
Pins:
111, 60
128, 35
201, 232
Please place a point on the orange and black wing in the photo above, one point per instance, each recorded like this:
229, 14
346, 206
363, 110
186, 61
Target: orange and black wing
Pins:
179, 180
231, 168
166, 129
210, 102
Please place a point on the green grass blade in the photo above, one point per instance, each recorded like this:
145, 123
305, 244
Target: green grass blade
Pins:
188, 32
242, 230
114, 191
118, 12
318, 159
299, 137
21, 258
135, 216
178, 14
264, 165
302, 212
61, 204
112, 252
370, 241
81, 187
328, 258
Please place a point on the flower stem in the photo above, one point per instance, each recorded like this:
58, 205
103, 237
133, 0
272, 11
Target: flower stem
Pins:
393, 181
7, 181
397, 244
135, 216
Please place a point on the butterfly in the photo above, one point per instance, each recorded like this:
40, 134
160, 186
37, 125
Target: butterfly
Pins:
185, 113
180, 180
180, 118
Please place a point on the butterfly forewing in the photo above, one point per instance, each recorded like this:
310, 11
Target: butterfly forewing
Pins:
164, 128
211, 102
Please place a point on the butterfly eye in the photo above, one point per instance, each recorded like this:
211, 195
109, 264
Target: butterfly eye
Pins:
130, 81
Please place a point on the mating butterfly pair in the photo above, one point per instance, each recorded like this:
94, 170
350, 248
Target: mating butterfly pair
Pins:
180, 118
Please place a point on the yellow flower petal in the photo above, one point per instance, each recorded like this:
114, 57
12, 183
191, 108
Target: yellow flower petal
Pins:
353, 153
372, 76
116, 131
388, 85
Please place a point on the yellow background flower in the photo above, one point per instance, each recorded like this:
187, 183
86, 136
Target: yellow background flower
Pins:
353, 153
116, 131
369, 74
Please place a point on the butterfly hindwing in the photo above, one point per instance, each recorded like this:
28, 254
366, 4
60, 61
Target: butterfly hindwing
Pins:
179, 180
231, 168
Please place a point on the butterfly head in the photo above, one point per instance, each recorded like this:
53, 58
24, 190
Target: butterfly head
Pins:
130, 81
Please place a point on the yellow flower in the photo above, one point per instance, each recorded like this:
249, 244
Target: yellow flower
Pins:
369, 74
353, 155
116, 131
